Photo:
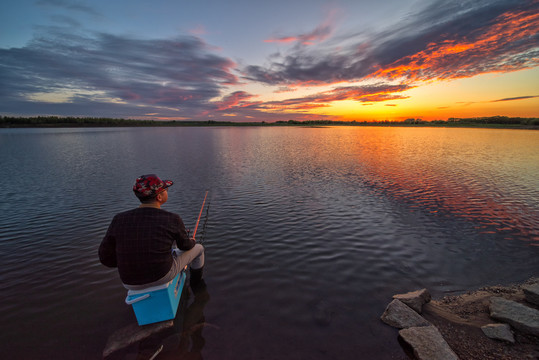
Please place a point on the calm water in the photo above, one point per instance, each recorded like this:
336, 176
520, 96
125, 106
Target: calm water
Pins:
309, 233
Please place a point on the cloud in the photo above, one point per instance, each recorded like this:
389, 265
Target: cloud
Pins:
468, 103
180, 73
66, 20
198, 30
362, 94
320, 33
445, 40
507, 42
516, 98
367, 93
237, 99
68, 5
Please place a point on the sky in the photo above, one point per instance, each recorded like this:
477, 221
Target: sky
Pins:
240, 60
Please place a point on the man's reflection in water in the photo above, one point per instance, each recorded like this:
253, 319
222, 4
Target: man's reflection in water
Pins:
184, 340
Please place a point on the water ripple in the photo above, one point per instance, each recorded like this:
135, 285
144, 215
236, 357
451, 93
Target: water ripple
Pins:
301, 220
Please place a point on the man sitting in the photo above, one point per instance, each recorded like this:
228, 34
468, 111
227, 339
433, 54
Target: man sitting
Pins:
139, 242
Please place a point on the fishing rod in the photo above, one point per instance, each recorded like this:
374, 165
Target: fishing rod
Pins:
203, 231
200, 214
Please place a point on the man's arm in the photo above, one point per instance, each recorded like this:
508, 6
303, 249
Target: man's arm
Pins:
183, 241
107, 250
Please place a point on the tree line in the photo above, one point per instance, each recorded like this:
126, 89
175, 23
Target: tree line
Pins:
55, 121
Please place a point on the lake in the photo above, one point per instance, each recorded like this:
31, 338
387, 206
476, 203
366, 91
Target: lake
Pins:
308, 233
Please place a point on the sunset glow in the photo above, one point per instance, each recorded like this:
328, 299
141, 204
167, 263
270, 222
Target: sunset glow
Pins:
347, 61
450, 58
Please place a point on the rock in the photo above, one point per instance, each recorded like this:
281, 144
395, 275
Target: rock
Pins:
521, 317
498, 332
532, 293
428, 343
399, 315
414, 299
133, 333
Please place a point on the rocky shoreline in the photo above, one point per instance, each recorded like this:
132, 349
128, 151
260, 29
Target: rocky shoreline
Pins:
496, 322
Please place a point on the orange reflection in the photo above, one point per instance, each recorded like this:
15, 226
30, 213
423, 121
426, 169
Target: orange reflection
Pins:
454, 171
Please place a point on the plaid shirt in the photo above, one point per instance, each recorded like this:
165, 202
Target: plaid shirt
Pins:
139, 243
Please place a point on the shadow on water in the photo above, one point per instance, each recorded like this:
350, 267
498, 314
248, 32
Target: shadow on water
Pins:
182, 340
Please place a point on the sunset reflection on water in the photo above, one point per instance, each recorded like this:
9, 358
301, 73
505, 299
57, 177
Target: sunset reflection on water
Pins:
484, 176
331, 218
487, 177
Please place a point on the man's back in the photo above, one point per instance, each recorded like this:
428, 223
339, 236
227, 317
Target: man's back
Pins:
140, 240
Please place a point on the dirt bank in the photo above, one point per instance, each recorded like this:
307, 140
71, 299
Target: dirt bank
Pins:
459, 319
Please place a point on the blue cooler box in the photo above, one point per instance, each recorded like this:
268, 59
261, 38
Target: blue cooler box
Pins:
157, 303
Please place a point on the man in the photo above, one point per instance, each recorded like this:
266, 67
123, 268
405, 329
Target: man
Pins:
139, 242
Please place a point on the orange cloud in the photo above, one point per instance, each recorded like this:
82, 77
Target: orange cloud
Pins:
364, 94
371, 93
458, 58
286, 39
237, 99
367, 93
292, 105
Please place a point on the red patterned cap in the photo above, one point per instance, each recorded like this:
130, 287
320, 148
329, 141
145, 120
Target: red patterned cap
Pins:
147, 186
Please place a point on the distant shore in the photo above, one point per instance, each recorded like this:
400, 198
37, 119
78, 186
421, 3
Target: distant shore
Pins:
498, 122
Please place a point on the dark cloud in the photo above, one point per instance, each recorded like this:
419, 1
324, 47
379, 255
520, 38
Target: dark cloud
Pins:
308, 67
83, 106
180, 73
516, 98
446, 39
66, 20
68, 5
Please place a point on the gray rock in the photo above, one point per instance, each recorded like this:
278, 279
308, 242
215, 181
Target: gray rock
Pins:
414, 299
498, 332
399, 315
521, 317
428, 343
532, 293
